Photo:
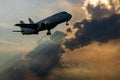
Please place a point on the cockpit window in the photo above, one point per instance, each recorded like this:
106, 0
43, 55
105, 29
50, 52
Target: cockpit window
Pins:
64, 12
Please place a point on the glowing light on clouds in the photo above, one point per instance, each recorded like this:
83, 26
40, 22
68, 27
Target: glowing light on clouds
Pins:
107, 7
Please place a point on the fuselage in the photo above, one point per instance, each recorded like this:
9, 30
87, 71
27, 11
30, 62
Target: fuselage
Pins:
54, 20
45, 24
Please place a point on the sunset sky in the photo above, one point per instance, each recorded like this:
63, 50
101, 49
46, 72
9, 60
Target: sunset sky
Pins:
89, 51
15, 10
13, 44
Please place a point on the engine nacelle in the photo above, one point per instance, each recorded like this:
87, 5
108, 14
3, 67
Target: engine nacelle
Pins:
28, 31
42, 26
45, 25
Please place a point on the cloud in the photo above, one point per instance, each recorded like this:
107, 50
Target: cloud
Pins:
102, 27
94, 61
39, 61
95, 45
45, 58
90, 50
101, 30
98, 9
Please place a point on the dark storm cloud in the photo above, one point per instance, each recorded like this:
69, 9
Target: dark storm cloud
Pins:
46, 58
98, 12
15, 72
101, 30
40, 61
101, 9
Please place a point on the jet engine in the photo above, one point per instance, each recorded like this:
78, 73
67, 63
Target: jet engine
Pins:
28, 31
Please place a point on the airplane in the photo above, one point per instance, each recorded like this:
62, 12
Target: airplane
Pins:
45, 24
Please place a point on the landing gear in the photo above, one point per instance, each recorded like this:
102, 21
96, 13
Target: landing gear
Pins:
36, 33
67, 23
48, 33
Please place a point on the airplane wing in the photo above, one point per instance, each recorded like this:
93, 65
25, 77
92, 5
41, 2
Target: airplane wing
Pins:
32, 26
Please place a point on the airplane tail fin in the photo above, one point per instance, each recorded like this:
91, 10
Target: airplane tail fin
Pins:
31, 21
22, 23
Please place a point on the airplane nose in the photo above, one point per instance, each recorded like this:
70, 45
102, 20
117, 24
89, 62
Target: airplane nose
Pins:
69, 16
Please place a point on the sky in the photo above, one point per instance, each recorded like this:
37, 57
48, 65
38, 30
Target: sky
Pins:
88, 49
13, 11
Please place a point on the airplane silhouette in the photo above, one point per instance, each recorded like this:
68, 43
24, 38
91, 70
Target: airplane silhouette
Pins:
45, 24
